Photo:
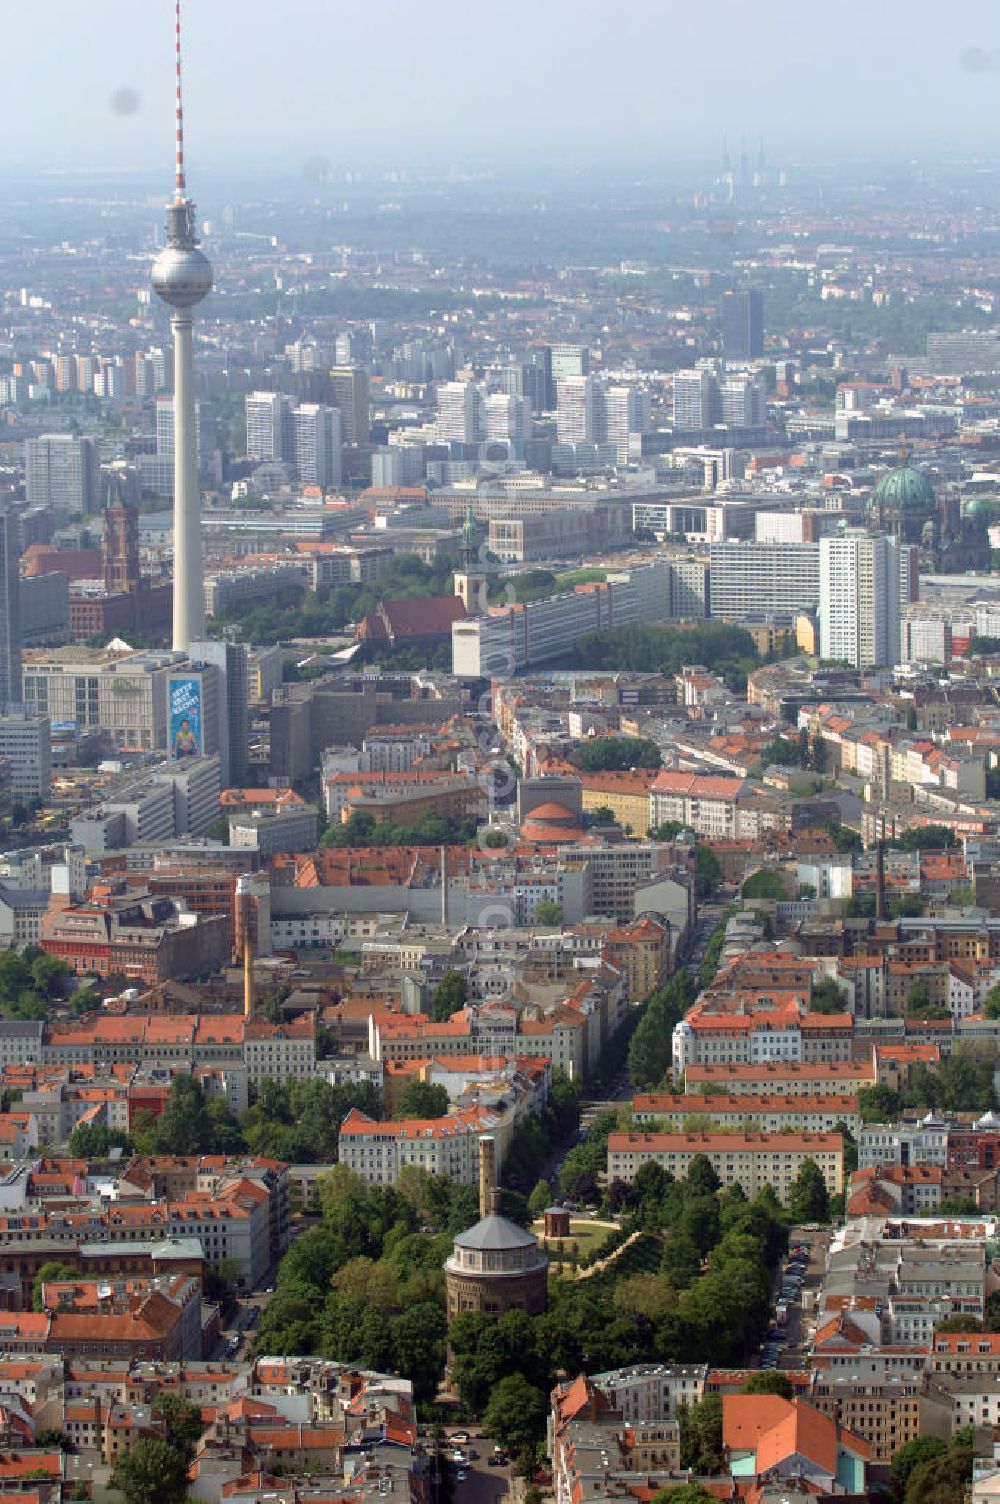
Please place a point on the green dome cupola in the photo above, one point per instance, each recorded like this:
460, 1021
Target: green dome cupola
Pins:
903, 490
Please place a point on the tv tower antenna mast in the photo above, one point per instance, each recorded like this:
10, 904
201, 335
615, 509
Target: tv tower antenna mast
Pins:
182, 277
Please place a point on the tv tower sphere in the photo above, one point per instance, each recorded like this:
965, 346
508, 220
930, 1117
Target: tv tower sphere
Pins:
182, 274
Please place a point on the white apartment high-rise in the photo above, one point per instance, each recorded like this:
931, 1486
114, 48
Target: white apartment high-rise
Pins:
627, 413
741, 400
61, 471
581, 415
696, 399
268, 426
459, 412
507, 417
859, 577
182, 277
316, 434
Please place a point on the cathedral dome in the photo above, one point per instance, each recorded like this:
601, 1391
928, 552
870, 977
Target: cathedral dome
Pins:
903, 490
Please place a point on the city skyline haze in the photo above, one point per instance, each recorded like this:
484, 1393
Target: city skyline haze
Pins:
314, 90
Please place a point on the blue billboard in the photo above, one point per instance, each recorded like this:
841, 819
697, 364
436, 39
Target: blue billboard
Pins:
184, 724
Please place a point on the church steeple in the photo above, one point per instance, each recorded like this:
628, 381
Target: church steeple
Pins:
470, 541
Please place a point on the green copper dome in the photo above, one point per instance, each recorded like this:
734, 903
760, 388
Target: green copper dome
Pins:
903, 490
470, 532
981, 506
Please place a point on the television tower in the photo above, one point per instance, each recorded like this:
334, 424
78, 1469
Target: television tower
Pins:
182, 277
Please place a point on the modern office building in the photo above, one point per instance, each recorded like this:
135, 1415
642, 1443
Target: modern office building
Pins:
398, 465
627, 411
859, 576
696, 400
122, 695
743, 325
568, 360
514, 638
581, 413
349, 393
316, 431
62, 471
26, 743
229, 659
270, 435
459, 412
753, 579
10, 612
963, 353
44, 608
506, 417
742, 401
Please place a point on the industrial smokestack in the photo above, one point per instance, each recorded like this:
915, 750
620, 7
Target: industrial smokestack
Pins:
488, 1194
248, 997
444, 887
880, 907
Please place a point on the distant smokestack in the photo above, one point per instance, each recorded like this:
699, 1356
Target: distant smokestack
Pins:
488, 1194
880, 908
247, 975
444, 887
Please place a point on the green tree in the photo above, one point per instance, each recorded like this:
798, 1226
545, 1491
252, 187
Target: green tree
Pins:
423, 1099
218, 830
540, 1198
49, 976
771, 1381
707, 871
616, 754
151, 1471
959, 1323
187, 1125
764, 885
809, 1199
448, 996
95, 1141
685, 1493
941, 1480
702, 1177
827, 997
181, 1422
701, 1435
547, 912
650, 1048
48, 1273
516, 1413
912, 1455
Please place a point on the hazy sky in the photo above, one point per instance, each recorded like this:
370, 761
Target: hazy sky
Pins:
363, 82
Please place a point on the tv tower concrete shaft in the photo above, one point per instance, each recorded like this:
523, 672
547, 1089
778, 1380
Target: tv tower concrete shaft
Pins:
189, 579
182, 277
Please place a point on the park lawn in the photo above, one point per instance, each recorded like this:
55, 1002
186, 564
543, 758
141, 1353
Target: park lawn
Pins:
583, 1232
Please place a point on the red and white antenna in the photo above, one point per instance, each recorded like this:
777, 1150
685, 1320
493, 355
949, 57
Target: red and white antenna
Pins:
180, 188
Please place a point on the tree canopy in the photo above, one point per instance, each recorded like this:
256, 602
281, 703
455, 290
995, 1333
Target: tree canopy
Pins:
422, 1099
651, 1045
808, 1198
616, 754
723, 649
448, 996
151, 1471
